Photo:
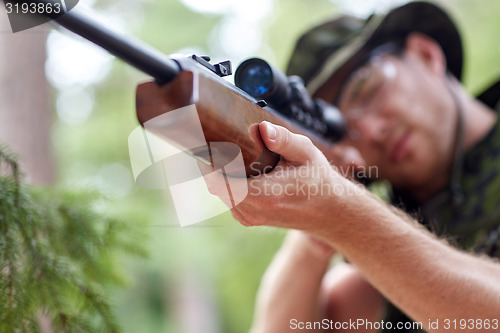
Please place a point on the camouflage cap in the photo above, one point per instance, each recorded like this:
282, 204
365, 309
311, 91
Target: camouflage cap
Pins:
328, 51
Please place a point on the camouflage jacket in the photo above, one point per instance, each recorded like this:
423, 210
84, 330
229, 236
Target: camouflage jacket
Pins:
472, 224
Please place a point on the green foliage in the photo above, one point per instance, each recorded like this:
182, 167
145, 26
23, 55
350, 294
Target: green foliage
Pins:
58, 253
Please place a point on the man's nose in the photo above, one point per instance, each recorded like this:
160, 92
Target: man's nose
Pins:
374, 128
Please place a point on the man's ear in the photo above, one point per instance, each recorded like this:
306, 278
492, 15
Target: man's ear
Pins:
428, 50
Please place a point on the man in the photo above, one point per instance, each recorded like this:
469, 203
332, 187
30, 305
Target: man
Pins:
395, 79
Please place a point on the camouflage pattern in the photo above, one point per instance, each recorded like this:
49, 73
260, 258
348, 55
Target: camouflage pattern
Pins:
474, 224
321, 52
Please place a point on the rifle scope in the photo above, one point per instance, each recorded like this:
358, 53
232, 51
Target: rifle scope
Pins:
289, 96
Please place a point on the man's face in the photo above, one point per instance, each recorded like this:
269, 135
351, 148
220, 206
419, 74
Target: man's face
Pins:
401, 118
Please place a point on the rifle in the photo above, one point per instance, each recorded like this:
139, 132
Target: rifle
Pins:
226, 112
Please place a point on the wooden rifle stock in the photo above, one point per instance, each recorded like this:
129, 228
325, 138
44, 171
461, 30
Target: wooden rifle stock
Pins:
226, 113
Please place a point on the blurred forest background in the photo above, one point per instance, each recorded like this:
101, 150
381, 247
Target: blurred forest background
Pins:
201, 278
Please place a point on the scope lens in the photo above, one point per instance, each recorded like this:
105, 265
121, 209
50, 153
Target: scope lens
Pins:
255, 77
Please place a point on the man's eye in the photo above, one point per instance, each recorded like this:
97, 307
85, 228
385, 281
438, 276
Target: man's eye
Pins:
353, 90
367, 91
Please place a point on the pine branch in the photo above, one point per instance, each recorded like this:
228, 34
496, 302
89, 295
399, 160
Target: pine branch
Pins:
56, 255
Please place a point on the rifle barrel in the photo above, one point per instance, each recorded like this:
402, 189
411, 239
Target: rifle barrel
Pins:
134, 52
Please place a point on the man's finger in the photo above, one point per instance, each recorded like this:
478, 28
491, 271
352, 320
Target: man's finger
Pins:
292, 147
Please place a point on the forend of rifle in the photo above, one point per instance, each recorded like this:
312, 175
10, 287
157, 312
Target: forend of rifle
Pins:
226, 113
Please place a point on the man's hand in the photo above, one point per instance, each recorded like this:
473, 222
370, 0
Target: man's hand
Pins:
302, 192
420, 274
